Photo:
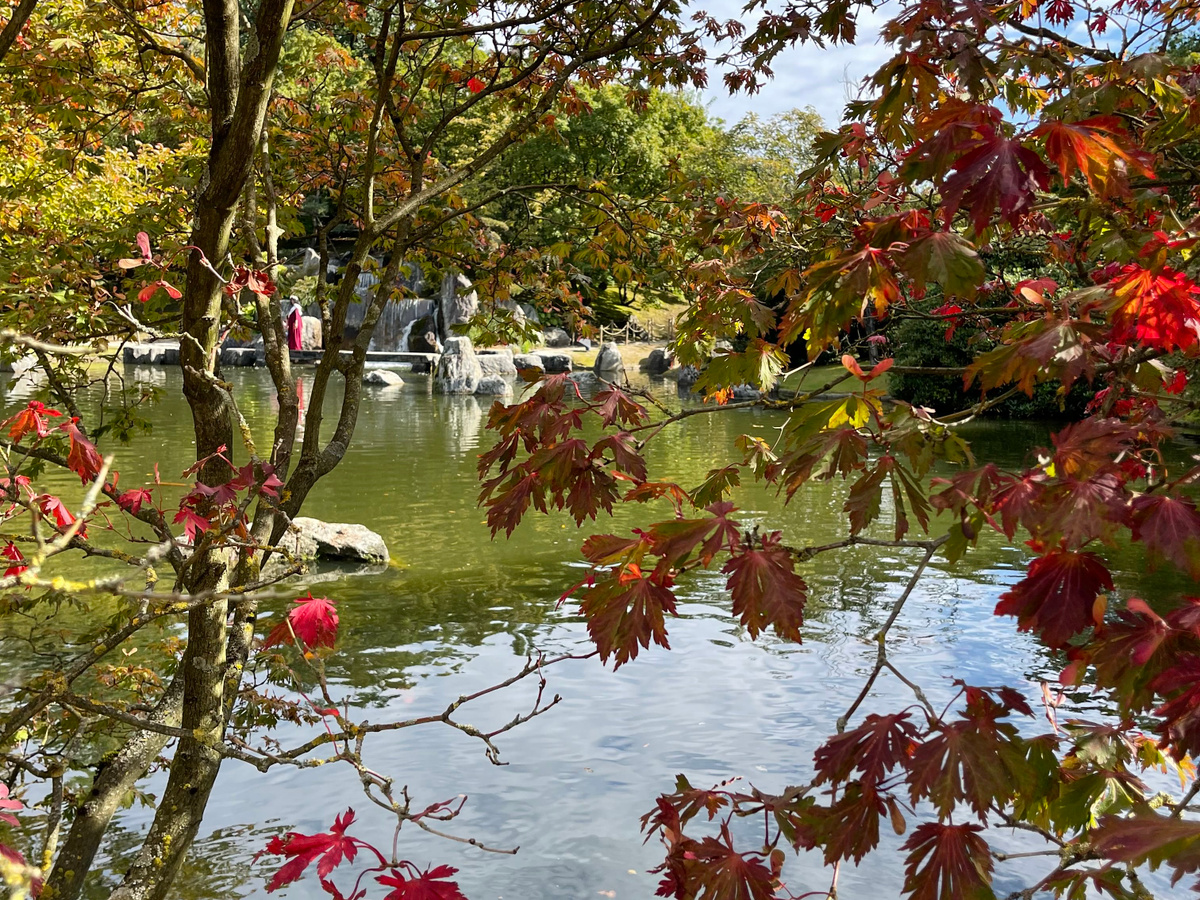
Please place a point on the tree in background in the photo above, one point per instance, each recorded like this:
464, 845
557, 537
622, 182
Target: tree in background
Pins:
200, 130
1060, 132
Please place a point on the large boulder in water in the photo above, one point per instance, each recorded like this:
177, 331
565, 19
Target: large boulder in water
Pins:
658, 362
555, 363
458, 371
528, 361
609, 364
493, 386
459, 303
313, 539
383, 378
497, 362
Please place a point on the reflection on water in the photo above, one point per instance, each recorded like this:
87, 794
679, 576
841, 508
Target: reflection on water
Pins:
460, 611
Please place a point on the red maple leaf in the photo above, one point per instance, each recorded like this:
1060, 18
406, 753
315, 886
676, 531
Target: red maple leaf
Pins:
626, 611
947, 861
1057, 598
427, 885
1096, 147
194, 524
133, 500
766, 590
673, 811
30, 419
995, 172
730, 875
314, 621
13, 554
874, 748
475, 85
1149, 837
83, 458
53, 508
1170, 528
301, 849
1157, 307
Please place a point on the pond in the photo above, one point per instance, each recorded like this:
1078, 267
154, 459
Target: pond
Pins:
459, 611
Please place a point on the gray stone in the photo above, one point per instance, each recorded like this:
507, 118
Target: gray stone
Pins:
493, 386
556, 337
556, 363
458, 303
458, 371
235, 357
310, 336
746, 392
688, 375
313, 539
658, 362
383, 378
156, 354
609, 364
497, 362
585, 378
528, 361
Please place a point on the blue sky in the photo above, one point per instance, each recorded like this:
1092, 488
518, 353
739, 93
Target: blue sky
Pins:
804, 76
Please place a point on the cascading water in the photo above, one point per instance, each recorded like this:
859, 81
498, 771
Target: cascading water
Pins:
396, 322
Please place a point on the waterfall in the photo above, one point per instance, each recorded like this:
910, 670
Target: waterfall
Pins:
407, 330
396, 322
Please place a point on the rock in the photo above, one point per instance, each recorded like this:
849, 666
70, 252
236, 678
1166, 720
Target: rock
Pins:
609, 364
383, 378
493, 386
458, 371
497, 362
235, 357
658, 362
313, 539
687, 376
310, 336
528, 361
556, 363
422, 338
556, 337
457, 306
585, 378
531, 314
156, 354
746, 392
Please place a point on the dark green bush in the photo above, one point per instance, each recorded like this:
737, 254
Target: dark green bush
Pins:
921, 342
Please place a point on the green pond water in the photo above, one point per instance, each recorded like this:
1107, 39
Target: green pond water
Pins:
460, 611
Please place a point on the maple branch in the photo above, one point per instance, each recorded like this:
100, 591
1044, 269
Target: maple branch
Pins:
881, 660
20, 16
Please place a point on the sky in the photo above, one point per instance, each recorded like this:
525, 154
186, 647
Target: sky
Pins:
805, 75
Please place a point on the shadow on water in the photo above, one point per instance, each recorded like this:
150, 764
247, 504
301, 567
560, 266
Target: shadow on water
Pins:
458, 611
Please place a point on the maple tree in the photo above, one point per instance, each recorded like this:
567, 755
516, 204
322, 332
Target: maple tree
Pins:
155, 156
994, 129
1064, 134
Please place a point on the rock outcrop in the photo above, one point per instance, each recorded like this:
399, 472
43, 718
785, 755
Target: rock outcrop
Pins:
493, 386
458, 371
383, 378
556, 337
308, 538
497, 362
609, 365
658, 362
459, 303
